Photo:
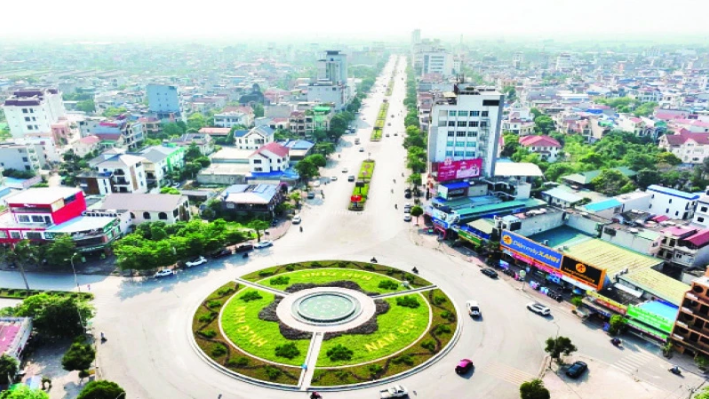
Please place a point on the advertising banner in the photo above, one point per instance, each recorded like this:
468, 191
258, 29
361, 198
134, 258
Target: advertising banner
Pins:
451, 170
467, 236
607, 302
530, 249
651, 319
442, 191
582, 272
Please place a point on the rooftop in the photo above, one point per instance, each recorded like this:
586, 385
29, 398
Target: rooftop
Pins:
563, 195
503, 169
215, 131
607, 256
610, 203
81, 223
658, 284
673, 192
250, 194
43, 195
586, 177
560, 236
143, 202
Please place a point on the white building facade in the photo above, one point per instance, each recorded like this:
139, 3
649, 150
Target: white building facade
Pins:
33, 111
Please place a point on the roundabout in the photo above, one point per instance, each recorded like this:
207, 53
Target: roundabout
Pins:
326, 324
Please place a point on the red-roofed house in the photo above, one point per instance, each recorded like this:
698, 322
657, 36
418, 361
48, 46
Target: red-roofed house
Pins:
685, 246
272, 157
86, 145
547, 147
689, 147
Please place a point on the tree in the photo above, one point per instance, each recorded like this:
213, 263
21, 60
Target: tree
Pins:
193, 152
22, 254
558, 346
101, 390
306, 169
170, 190
511, 93
324, 148
60, 251
317, 160
646, 177
258, 110
295, 196
416, 211
8, 367
544, 124
87, 106
112, 112
638, 161
559, 169
414, 179
56, 316
668, 158
534, 389
616, 324
79, 356
196, 121
24, 392
173, 129
612, 182
258, 226
645, 109
703, 395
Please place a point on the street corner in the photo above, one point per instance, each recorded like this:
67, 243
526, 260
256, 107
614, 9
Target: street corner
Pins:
600, 381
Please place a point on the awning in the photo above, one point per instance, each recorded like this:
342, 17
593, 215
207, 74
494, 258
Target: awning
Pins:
456, 185
629, 290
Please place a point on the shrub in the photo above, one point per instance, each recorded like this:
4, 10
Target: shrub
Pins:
370, 267
225, 291
339, 352
388, 285
280, 280
207, 318
429, 344
408, 302
342, 375
214, 304
448, 316
342, 265
290, 268
251, 296
208, 333
238, 362
265, 273
374, 369
315, 264
406, 359
289, 351
410, 278
218, 350
439, 300
442, 329
272, 372
390, 272
576, 301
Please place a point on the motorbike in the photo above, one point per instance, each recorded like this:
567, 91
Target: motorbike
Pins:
103, 338
415, 270
616, 342
675, 370
245, 255
374, 260
315, 395
396, 206
301, 229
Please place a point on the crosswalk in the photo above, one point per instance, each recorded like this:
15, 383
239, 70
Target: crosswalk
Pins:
507, 373
630, 364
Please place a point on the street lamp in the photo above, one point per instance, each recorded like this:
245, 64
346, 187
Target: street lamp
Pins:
76, 280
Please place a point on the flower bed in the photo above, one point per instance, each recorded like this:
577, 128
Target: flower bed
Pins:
378, 129
368, 282
21, 293
366, 170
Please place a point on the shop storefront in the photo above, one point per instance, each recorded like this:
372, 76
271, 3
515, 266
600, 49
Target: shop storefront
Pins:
542, 264
654, 319
471, 234
603, 307
440, 220
581, 274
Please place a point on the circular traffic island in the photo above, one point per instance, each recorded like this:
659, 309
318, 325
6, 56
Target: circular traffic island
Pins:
346, 322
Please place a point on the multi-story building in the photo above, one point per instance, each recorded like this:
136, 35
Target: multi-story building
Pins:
438, 62
164, 101
687, 146
114, 171
203, 141
564, 62
642, 127
685, 246
150, 125
254, 138
166, 208
465, 125
233, 118
672, 203
21, 156
691, 330
272, 157
160, 161
119, 132
701, 212
547, 147
333, 67
33, 111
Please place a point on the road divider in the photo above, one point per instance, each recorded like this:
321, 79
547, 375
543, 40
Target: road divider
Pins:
360, 192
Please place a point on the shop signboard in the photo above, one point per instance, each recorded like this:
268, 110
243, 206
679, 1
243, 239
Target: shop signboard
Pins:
607, 302
648, 331
463, 169
440, 223
442, 191
651, 319
527, 249
467, 236
582, 272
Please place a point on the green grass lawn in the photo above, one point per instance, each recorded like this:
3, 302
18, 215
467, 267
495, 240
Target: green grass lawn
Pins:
368, 281
398, 327
258, 337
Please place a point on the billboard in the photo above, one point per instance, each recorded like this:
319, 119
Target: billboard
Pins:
651, 319
451, 170
607, 302
582, 272
531, 249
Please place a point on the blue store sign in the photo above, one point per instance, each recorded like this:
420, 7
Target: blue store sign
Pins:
527, 247
439, 222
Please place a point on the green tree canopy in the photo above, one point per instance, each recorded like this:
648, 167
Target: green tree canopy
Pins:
173, 129
612, 182
79, 356
534, 389
258, 226
54, 315
317, 160
544, 124
8, 367
668, 158
555, 347
102, 390
258, 110
24, 392
170, 190
196, 121
87, 106
306, 169
60, 251
112, 112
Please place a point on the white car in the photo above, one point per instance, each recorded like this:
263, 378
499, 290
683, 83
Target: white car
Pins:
407, 217
316, 183
263, 244
196, 262
539, 309
344, 170
473, 308
333, 178
407, 208
397, 391
361, 149
163, 273
296, 219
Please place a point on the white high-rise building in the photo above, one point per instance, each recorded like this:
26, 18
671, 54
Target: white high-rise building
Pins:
333, 67
415, 37
466, 125
32, 111
440, 62
564, 62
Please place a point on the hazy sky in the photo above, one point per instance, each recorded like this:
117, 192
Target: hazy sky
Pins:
288, 19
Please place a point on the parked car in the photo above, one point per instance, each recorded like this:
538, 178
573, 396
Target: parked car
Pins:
407, 217
333, 178
361, 149
489, 272
196, 262
244, 248
539, 309
311, 195
222, 253
387, 135
397, 391
351, 178
576, 370
164, 273
263, 244
396, 134
407, 207
407, 194
473, 308
464, 366
316, 183
296, 219
344, 170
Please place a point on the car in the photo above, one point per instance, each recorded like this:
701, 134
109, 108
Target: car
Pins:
397, 391
222, 253
464, 366
164, 273
473, 308
388, 124
311, 195
407, 217
539, 309
407, 207
244, 248
392, 115
316, 183
333, 178
386, 135
350, 178
489, 272
344, 170
296, 219
396, 134
576, 370
263, 244
361, 149
407, 195
196, 262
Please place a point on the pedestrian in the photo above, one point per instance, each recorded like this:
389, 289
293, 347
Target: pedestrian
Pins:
220, 396
88, 287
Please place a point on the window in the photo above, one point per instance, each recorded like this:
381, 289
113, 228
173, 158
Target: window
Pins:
676, 213
700, 220
474, 124
146, 215
472, 144
703, 209
491, 103
462, 123
37, 219
259, 169
29, 127
162, 216
33, 235
132, 215
459, 153
257, 161
23, 219
470, 154
459, 134
15, 234
442, 122
449, 153
462, 113
451, 134
451, 113
474, 113
670, 200
472, 134
24, 159
449, 143
667, 210
3, 234
484, 114
451, 123
27, 118
24, 110
483, 124
460, 144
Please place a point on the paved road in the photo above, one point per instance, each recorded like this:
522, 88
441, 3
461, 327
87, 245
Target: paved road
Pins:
147, 322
